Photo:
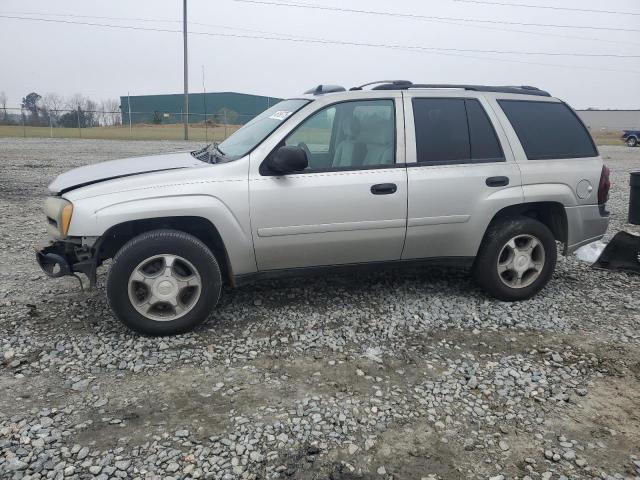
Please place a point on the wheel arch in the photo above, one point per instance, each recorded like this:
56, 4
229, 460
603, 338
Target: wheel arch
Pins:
203, 229
552, 214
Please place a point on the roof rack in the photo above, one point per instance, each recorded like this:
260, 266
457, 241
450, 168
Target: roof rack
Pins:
397, 83
405, 85
322, 89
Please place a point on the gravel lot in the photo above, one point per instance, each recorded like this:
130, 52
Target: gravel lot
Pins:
410, 374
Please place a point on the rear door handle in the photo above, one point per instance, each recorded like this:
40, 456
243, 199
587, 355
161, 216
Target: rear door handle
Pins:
497, 181
384, 188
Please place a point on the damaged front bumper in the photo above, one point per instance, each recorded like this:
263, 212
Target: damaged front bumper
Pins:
60, 258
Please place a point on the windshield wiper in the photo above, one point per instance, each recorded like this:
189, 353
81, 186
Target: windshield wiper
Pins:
210, 154
216, 146
222, 157
204, 155
215, 154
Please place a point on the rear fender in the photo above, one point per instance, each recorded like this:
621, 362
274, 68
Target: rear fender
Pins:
550, 192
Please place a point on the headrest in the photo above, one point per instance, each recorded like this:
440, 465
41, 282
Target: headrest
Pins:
351, 128
386, 133
378, 132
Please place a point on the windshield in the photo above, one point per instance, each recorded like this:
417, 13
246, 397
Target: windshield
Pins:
252, 133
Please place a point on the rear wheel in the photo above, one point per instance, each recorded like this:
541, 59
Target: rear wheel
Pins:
516, 260
632, 141
163, 282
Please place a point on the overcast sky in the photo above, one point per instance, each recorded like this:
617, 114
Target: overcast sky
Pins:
109, 62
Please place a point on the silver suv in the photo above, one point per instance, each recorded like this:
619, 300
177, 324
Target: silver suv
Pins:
485, 177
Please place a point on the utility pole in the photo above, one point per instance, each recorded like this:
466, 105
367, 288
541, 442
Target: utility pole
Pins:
79, 129
185, 110
204, 101
129, 104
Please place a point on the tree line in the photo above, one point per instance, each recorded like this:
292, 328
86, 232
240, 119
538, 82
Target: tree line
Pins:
79, 111
51, 109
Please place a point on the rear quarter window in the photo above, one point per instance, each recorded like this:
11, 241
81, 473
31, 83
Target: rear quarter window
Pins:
548, 130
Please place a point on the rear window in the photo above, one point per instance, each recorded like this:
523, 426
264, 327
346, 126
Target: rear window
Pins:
548, 130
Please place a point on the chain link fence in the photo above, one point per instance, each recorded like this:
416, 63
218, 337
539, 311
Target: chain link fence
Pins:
156, 125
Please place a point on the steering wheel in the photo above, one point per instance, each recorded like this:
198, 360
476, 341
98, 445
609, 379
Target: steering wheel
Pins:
304, 147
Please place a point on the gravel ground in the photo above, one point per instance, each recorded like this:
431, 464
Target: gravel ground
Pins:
409, 374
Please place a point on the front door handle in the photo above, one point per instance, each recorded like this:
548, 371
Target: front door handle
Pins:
497, 181
384, 188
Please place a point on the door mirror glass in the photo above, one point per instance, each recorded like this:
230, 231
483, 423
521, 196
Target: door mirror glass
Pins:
288, 159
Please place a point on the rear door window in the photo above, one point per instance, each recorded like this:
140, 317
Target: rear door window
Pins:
548, 130
484, 141
454, 130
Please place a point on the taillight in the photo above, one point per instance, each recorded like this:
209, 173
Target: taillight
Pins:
604, 186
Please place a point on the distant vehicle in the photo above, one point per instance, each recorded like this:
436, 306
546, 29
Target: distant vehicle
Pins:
631, 137
486, 177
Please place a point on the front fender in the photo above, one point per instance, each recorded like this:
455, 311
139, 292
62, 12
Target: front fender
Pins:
231, 221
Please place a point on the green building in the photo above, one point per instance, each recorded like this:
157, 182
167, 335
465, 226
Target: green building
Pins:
216, 107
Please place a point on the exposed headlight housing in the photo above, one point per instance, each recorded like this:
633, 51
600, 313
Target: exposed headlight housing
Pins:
58, 212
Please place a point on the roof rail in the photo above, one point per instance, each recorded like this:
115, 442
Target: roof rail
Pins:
522, 90
322, 89
398, 83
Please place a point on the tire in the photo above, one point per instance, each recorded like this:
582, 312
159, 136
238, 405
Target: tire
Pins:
535, 264
632, 141
163, 282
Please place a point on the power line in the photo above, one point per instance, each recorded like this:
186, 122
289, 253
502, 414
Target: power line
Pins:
541, 34
547, 7
431, 17
343, 42
436, 50
73, 15
132, 19
484, 27
166, 20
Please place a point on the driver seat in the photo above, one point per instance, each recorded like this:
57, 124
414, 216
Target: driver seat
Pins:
350, 152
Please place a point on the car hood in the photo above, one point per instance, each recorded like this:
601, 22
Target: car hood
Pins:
100, 172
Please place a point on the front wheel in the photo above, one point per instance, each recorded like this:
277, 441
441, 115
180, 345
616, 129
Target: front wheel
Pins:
163, 282
516, 260
632, 141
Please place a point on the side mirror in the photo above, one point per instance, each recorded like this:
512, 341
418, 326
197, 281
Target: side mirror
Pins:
288, 159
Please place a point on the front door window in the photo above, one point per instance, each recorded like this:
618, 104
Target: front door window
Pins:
348, 135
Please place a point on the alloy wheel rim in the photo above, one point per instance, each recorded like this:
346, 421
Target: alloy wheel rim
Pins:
521, 261
164, 287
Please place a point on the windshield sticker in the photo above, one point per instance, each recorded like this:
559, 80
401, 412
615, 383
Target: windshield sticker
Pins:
280, 115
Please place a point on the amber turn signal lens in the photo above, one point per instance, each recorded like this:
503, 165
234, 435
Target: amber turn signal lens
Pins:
65, 218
